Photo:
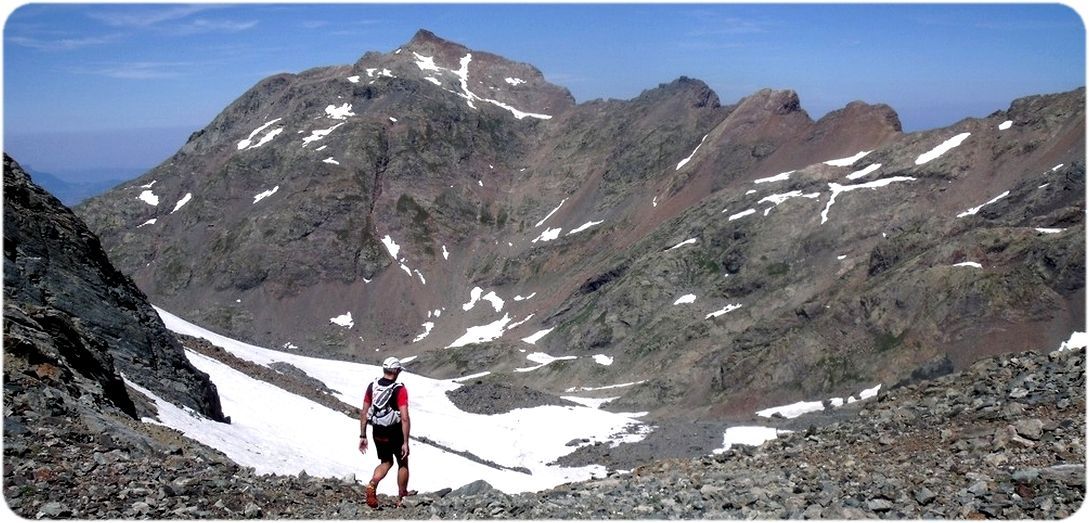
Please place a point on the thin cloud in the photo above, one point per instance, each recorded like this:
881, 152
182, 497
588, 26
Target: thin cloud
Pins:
147, 17
714, 24
314, 24
137, 70
173, 20
202, 25
62, 44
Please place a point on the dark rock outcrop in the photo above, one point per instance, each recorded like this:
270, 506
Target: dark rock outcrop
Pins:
72, 319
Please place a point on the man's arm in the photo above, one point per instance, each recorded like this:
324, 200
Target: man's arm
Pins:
406, 426
363, 421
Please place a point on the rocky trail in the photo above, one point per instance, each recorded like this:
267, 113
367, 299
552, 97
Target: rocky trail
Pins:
1005, 438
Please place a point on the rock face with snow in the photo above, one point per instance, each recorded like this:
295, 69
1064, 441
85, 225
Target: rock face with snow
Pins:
73, 321
455, 169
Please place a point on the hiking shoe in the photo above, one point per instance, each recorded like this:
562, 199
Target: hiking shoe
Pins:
372, 497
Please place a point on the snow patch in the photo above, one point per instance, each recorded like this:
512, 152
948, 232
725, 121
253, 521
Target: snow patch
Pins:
1078, 340
482, 333
583, 227
941, 149
268, 137
686, 160
339, 113
261, 196
344, 320
602, 359
802, 407
426, 63
687, 298
495, 300
354, 79
319, 134
748, 435
606, 387
777, 178
864, 171
741, 214
542, 359
246, 142
968, 264
428, 325
445, 253
690, 241
1049, 230
724, 310
331, 160
433, 80
593, 403
149, 222
514, 81
181, 203
265, 432
837, 188
776, 199
974, 210
517, 323
472, 376
391, 246
1005, 125
844, 162
520, 297
547, 235
536, 336
549, 215
463, 76
149, 197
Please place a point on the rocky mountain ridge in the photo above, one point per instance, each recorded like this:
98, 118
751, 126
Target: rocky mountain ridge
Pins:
354, 211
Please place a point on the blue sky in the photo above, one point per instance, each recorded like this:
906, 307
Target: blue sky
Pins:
100, 85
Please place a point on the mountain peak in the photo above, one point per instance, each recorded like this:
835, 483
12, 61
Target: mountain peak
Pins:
774, 101
477, 76
428, 43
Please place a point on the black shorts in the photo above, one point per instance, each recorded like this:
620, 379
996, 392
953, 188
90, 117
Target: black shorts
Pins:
388, 442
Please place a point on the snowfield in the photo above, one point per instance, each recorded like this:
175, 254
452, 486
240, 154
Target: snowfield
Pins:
266, 431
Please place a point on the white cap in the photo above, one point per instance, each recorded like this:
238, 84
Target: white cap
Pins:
392, 363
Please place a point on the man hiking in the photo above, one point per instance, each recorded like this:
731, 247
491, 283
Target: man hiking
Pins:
385, 406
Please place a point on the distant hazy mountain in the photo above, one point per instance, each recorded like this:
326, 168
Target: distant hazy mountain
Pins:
71, 193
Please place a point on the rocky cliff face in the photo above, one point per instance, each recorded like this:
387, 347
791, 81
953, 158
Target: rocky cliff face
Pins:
351, 211
75, 323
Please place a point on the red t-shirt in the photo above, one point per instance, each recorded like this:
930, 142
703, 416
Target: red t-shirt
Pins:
400, 399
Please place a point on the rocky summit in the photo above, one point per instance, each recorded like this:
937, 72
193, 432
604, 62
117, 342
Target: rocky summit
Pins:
451, 204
